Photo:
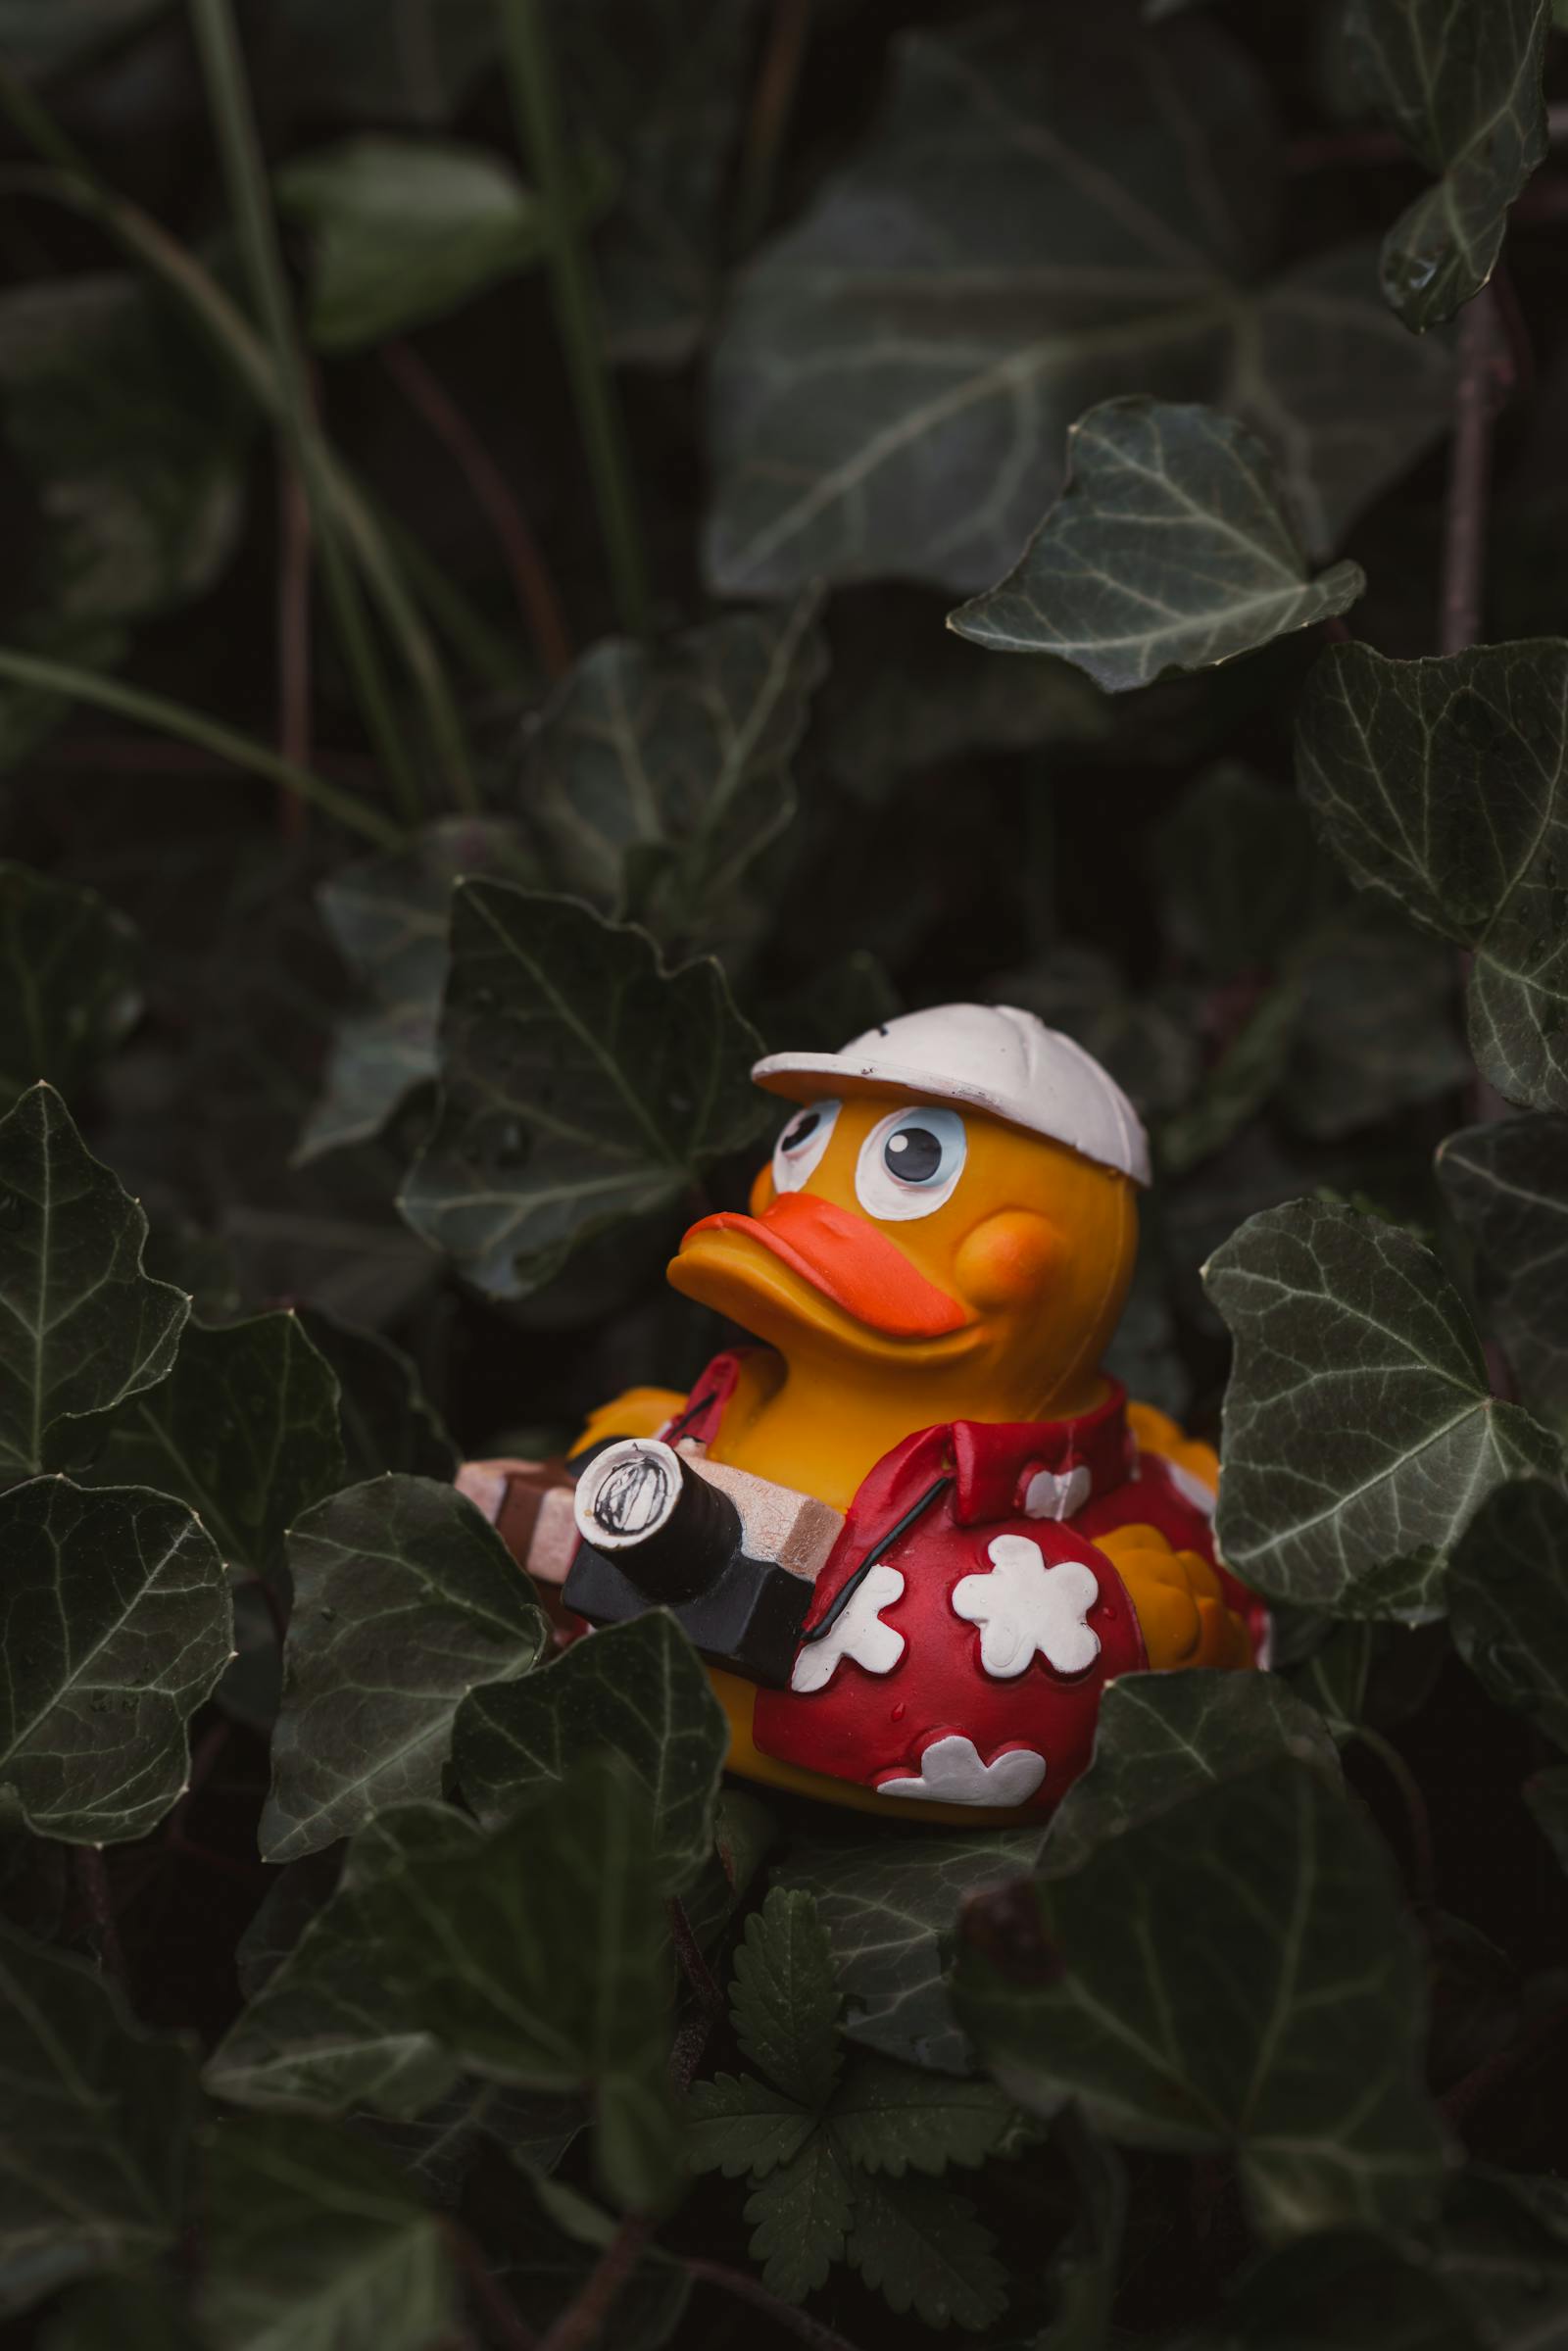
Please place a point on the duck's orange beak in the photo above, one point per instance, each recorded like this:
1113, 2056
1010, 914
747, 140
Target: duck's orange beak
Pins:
850, 1261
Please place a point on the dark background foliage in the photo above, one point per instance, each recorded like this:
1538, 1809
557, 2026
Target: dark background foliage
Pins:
486, 485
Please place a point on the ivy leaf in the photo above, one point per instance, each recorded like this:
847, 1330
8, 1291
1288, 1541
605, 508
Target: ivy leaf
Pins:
244, 1429
784, 1999
1168, 549
405, 231
114, 2311
389, 917
1374, 1028
1440, 783
891, 1908
404, 1598
324, 2031
738, 2125
1239, 876
638, 1689
385, 1418
1508, 1186
536, 1956
898, 371
1504, 2250
40, 37
1162, 1736
381, 61
1508, 1602
1359, 1429
1462, 82
69, 981
800, 2214
94, 2126
581, 1084
556, 2238
1343, 2288
658, 774
1235, 1974
893, 2118
86, 1328
922, 2249
312, 2239
116, 1623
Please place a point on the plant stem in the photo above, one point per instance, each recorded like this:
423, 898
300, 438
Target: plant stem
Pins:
72, 181
536, 100
699, 1975
772, 104
783, 2314
535, 590
504, 2320
191, 726
293, 637
245, 173
1464, 537
92, 1876
582, 2321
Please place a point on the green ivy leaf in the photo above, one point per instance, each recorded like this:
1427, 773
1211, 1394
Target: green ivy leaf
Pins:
1105, 1985
1342, 2288
1508, 1602
1168, 549
385, 1420
313, 2239
784, 1999
38, 37
1508, 1186
245, 1429
582, 1083
1162, 1736
405, 231
324, 2031
535, 1956
922, 2249
1375, 1029
639, 1689
404, 1598
112, 2312
85, 1326
1240, 879
892, 2118
1503, 2251
657, 774
895, 407
800, 2214
69, 981
379, 61
1359, 1430
118, 1624
1462, 82
390, 917
556, 2238
891, 1908
1440, 783
736, 2125
94, 2126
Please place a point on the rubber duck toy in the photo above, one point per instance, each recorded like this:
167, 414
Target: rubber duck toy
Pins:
918, 1530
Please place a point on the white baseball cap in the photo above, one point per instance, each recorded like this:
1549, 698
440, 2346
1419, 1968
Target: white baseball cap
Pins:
994, 1056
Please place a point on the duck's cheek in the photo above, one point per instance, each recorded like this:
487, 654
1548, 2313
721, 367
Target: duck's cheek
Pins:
762, 1194
1007, 1259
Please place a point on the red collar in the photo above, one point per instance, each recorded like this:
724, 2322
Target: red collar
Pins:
1000, 1469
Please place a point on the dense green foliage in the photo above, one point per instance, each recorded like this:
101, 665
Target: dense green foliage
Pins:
556, 542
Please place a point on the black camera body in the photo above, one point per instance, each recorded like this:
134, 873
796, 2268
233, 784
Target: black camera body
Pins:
733, 1557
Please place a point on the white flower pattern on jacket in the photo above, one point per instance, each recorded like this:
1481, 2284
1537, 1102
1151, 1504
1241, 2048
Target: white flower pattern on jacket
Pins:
1022, 1607
858, 1631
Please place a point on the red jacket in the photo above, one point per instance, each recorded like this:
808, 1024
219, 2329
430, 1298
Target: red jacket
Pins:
967, 1664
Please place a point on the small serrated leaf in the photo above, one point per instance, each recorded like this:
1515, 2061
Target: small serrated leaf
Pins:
736, 2124
784, 1999
889, 2116
799, 2215
1168, 549
639, 1689
923, 2249
403, 1600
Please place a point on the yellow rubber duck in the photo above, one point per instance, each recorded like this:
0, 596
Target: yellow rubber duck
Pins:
934, 1258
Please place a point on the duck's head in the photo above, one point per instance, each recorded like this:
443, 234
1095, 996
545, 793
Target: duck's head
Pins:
955, 1194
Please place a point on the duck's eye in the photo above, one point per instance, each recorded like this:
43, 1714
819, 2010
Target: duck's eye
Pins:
798, 1152
910, 1162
